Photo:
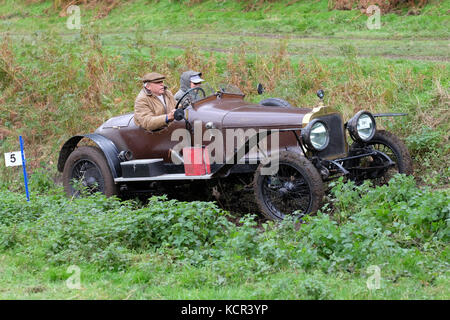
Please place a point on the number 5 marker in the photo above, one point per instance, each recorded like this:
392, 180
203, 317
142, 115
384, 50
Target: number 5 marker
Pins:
13, 159
17, 158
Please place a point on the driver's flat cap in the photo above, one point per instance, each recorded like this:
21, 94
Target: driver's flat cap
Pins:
153, 77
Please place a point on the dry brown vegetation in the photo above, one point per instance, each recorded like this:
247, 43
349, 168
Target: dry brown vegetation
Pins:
385, 6
64, 90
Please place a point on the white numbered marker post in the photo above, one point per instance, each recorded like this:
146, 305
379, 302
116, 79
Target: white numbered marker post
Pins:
13, 159
17, 158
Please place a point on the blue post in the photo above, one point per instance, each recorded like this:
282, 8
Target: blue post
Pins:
25, 178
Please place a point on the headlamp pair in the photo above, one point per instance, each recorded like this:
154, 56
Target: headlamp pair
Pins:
316, 136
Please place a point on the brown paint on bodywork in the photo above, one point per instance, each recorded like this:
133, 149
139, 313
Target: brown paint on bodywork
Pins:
224, 111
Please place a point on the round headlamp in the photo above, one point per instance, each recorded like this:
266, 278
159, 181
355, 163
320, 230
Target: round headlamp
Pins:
362, 126
316, 135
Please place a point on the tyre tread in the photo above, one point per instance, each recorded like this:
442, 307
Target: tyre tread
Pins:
95, 154
310, 172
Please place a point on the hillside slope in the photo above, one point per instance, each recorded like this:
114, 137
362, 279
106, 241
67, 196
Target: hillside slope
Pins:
50, 75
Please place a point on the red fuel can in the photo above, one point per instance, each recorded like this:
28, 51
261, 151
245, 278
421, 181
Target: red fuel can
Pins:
196, 161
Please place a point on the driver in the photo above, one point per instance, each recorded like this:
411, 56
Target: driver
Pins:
155, 105
189, 79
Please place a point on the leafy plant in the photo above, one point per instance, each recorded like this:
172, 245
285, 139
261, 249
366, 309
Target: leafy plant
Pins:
425, 140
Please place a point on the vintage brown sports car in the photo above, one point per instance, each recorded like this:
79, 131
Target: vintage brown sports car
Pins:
312, 145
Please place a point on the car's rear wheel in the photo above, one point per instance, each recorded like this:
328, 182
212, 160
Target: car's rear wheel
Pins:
296, 188
86, 170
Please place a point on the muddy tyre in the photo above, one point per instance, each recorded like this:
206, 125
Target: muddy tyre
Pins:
89, 167
395, 149
296, 188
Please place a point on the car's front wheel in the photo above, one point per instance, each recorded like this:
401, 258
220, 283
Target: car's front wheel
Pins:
394, 148
86, 169
296, 188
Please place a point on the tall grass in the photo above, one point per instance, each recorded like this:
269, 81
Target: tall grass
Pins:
53, 88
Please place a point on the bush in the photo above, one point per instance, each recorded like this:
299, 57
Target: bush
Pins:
365, 225
91, 229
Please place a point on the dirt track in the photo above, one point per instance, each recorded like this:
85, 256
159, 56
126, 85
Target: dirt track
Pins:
418, 49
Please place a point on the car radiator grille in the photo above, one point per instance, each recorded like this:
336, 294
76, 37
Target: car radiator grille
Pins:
337, 145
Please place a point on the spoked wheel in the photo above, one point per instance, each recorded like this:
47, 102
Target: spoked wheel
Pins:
395, 149
86, 168
296, 188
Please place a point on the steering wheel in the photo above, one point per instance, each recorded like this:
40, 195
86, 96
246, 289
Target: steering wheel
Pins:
189, 97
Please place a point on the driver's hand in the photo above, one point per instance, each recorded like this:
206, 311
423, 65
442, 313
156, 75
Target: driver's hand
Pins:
170, 116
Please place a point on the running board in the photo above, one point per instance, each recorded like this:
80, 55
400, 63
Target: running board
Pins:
164, 177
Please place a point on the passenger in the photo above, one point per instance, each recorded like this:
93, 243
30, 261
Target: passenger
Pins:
155, 105
189, 79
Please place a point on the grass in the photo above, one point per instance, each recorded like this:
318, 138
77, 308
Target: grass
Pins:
281, 17
49, 76
19, 281
120, 254
99, 77
308, 25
